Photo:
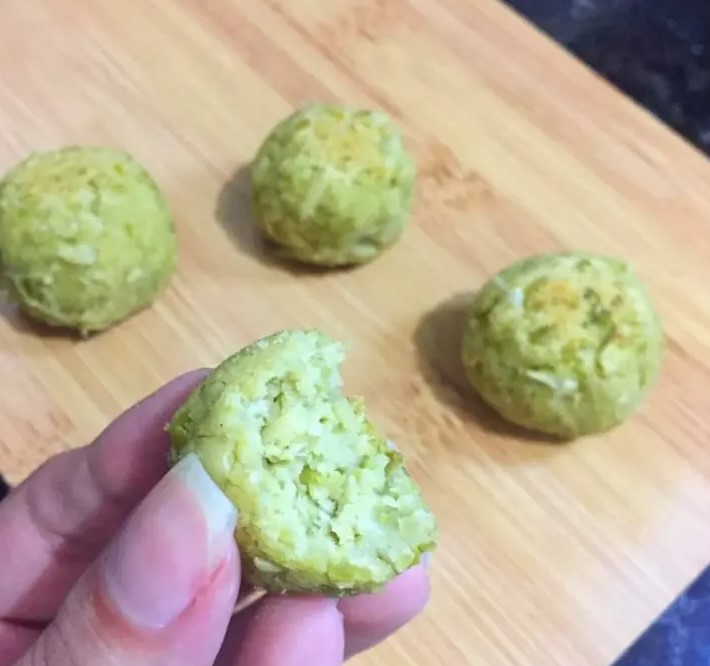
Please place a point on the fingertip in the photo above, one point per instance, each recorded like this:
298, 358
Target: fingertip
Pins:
290, 631
189, 379
170, 395
406, 595
370, 618
130, 456
161, 402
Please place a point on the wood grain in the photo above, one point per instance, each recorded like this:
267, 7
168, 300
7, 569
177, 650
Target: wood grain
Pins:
553, 555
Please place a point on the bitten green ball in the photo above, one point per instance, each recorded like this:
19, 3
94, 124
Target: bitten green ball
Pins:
333, 186
86, 238
567, 344
325, 505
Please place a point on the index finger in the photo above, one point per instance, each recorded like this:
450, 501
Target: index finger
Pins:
55, 523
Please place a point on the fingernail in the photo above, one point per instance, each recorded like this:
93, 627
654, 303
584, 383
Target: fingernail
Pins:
170, 547
331, 601
217, 510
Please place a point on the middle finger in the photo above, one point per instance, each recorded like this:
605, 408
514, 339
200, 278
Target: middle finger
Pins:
364, 621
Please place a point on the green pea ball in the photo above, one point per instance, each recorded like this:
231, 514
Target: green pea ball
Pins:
86, 238
333, 186
567, 344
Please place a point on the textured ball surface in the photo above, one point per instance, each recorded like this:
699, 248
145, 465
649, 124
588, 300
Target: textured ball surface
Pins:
567, 344
325, 505
86, 237
333, 186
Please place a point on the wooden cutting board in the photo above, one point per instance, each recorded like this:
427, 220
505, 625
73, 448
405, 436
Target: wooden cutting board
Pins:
549, 554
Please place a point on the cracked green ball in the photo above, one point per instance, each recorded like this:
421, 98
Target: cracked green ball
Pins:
86, 238
332, 185
325, 504
566, 344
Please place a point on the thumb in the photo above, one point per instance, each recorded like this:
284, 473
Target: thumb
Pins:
163, 591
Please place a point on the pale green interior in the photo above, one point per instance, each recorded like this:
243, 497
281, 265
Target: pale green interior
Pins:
310, 476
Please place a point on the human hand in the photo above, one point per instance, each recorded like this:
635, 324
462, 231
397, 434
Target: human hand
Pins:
109, 558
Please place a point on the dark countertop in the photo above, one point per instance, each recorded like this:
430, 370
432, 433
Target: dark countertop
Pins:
657, 52
680, 636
